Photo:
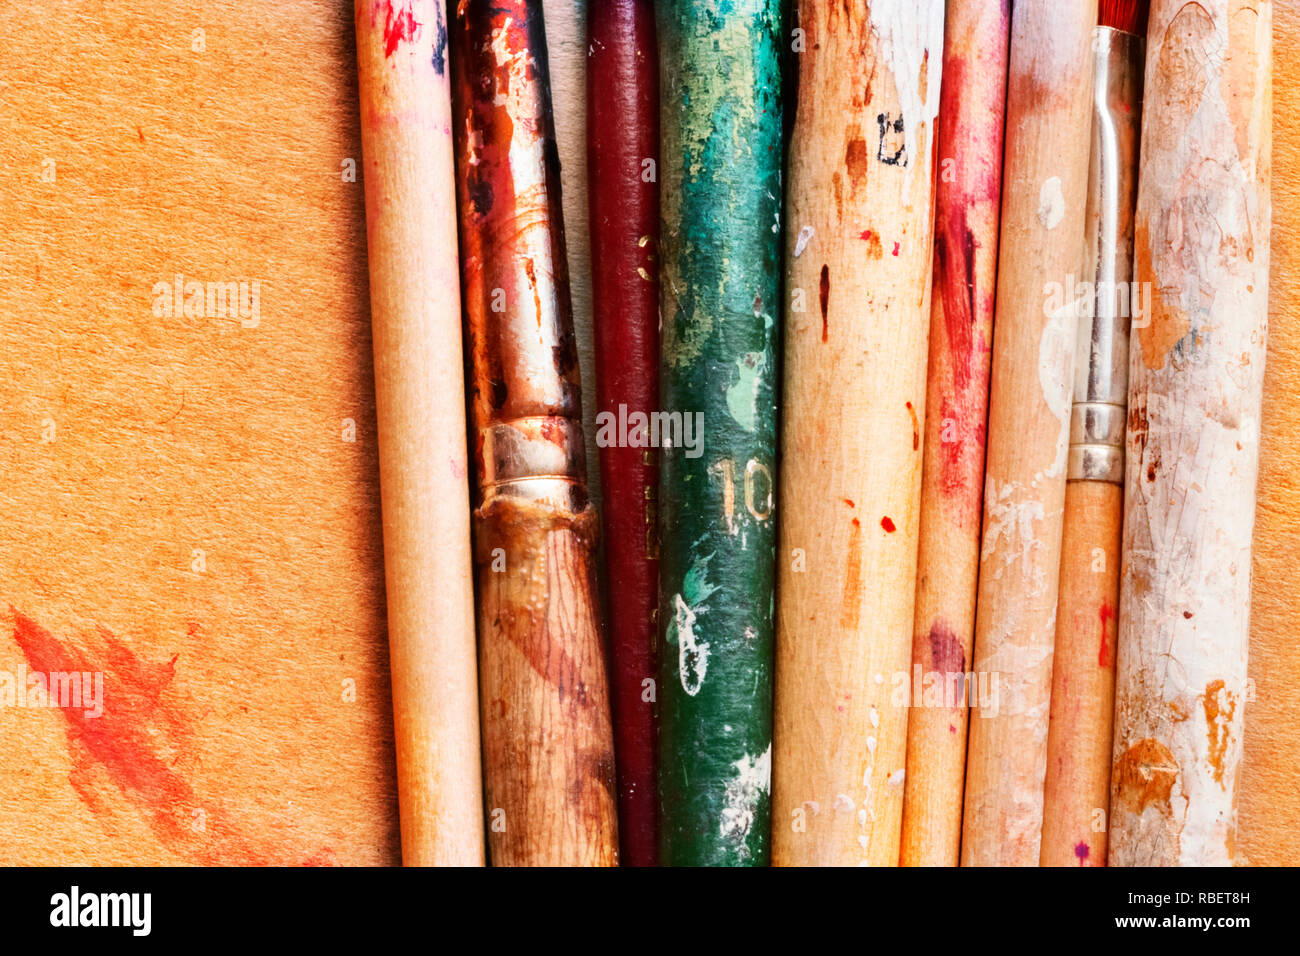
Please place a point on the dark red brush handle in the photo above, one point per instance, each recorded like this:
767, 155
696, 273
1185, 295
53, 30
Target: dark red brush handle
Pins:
623, 151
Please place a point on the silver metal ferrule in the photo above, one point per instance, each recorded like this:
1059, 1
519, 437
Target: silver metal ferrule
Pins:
1101, 383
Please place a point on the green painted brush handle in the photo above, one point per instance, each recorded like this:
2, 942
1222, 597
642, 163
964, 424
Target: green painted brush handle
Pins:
721, 155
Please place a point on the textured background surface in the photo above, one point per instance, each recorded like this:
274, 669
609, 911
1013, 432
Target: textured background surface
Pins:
227, 737
175, 434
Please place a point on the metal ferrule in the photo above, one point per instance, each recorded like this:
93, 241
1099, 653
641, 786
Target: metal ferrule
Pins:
1101, 382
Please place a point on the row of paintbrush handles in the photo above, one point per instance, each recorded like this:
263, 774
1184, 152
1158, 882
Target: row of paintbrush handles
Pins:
998, 587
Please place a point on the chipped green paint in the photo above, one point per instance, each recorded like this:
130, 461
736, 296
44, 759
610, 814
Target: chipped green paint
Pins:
721, 155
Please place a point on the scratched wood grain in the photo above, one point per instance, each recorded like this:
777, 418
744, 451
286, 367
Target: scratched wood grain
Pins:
1268, 799
246, 712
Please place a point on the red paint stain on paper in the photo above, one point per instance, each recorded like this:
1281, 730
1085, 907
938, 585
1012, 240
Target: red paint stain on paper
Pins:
1081, 851
399, 25
1105, 656
133, 747
895, 249
916, 427
888, 524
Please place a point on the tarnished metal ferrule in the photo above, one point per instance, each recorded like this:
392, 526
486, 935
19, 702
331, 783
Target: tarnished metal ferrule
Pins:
540, 459
1101, 367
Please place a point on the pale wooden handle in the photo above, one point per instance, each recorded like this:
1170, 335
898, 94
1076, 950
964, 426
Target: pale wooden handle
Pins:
1077, 791
858, 265
420, 399
1044, 193
547, 739
1195, 385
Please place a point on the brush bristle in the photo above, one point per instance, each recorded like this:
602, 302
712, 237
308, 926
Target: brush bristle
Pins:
1127, 15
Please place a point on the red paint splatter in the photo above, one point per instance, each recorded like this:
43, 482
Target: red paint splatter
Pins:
1104, 656
895, 248
888, 524
824, 295
849, 502
1081, 851
952, 729
857, 523
398, 26
140, 133
916, 428
134, 746
946, 653
872, 239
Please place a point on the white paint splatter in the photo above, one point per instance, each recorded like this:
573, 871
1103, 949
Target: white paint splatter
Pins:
907, 34
692, 655
844, 803
896, 778
1056, 375
753, 779
805, 234
1006, 516
1051, 203
874, 716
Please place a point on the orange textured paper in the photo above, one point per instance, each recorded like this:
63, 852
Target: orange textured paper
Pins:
189, 503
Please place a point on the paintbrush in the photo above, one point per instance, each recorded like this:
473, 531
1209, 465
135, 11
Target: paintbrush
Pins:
1194, 394
859, 211
419, 398
622, 138
1044, 188
967, 200
1076, 794
547, 743
721, 123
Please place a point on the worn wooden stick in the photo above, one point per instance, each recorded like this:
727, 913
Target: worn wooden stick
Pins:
419, 393
547, 743
967, 204
1040, 258
1195, 382
1076, 793
721, 122
859, 219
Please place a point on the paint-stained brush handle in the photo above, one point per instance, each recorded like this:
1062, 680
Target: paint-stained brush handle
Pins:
857, 317
623, 152
409, 179
547, 742
1040, 249
968, 196
1076, 791
721, 122
1195, 388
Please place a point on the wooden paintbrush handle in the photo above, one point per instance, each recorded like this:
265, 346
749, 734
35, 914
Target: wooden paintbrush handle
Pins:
1077, 788
1040, 249
548, 748
623, 143
1195, 385
857, 322
546, 728
968, 197
721, 120
419, 396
